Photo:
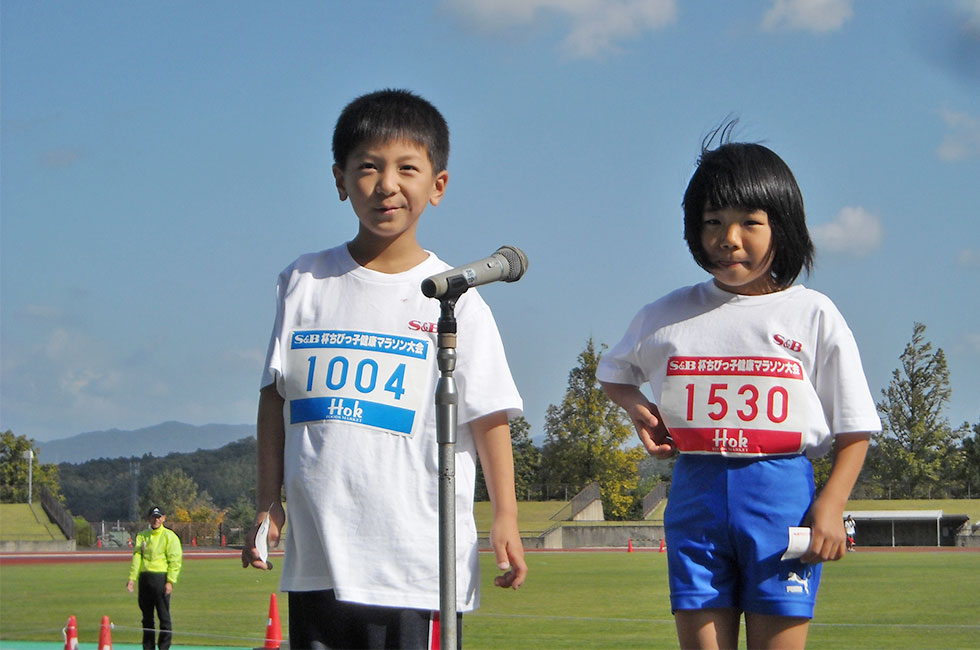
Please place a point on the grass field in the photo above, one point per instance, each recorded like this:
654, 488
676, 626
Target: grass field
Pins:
969, 507
19, 521
900, 599
535, 516
571, 600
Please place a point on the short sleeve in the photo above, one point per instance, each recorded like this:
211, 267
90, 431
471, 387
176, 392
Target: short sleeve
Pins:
840, 381
620, 364
272, 371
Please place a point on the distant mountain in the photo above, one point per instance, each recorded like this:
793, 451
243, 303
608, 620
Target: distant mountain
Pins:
158, 440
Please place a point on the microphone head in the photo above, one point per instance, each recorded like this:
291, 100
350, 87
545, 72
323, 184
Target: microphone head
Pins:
516, 262
429, 288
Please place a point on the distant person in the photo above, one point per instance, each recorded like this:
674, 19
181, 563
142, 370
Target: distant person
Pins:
850, 529
750, 376
157, 558
346, 411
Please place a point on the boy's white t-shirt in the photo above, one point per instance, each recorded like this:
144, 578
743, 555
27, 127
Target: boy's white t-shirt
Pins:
738, 375
353, 353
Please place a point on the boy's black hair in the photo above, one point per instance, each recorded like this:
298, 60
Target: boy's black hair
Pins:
392, 115
750, 177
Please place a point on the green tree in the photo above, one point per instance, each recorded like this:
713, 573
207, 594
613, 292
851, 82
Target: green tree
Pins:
241, 514
527, 460
14, 474
84, 533
103, 488
969, 474
915, 452
170, 490
585, 438
527, 457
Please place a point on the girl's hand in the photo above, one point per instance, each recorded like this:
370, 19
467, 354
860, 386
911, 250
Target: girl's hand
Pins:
828, 541
651, 430
645, 418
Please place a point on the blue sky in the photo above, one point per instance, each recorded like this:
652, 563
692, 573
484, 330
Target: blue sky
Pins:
162, 162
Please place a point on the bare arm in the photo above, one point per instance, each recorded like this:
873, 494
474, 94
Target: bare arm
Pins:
271, 434
828, 540
645, 417
492, 436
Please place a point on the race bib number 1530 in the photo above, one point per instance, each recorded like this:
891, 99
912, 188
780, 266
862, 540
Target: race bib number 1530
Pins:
735, 405
375, 380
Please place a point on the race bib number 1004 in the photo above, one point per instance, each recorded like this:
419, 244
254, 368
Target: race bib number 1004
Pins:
735, 405
375, 380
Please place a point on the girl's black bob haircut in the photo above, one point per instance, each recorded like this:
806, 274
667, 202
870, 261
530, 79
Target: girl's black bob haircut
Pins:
387, 115
749, 177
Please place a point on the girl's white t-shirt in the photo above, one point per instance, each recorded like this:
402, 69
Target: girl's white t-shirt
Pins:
776, 374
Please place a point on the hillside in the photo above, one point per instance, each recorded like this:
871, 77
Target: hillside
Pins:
158, 440
23, 522
104, 488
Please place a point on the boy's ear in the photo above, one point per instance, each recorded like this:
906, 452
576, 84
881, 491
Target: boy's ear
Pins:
338, 176
439, 187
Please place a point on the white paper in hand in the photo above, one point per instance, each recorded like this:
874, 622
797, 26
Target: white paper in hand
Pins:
262, 540
799, 542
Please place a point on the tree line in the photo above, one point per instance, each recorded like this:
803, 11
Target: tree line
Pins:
587, 439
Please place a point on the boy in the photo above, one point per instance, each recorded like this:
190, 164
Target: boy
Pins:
346, 412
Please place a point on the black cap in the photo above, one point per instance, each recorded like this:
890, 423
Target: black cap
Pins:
155, 512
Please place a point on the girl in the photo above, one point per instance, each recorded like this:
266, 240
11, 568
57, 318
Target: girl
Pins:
750, 376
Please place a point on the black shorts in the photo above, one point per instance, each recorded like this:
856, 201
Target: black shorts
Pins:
318, 620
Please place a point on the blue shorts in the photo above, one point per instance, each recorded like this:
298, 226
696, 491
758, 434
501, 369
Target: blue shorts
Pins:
726, 524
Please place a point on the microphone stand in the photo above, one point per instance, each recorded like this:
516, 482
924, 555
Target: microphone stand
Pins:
447, 401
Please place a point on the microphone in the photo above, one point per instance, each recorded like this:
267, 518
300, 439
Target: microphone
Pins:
508, 264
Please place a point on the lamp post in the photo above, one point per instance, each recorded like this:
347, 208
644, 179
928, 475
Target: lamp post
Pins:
29, 455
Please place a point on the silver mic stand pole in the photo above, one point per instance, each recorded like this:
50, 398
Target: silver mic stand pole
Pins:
447, 401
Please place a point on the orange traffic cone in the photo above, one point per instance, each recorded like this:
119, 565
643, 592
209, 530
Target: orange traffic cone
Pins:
663, 547
98, 543
71, 634
273, 631
105, 634
629, 545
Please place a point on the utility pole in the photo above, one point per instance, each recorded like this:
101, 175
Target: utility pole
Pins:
134, 475
29, 455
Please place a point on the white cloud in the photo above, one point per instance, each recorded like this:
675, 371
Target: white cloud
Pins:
963, 139
969, 258
596, 26
807, 15
41, 312
973, 341
970, 10
65, 157
64, 375
854, 231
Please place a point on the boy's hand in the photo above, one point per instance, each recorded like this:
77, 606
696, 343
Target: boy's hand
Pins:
509, 551
250, 554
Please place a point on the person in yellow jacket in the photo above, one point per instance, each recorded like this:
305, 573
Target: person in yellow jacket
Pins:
157, 557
